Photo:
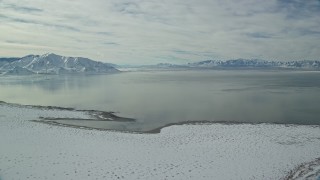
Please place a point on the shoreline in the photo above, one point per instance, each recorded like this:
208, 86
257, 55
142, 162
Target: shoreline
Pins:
213, 150
104, 116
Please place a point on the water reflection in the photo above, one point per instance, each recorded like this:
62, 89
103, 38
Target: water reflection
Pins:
159, 98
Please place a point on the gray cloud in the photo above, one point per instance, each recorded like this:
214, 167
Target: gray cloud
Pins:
128, 8
110, 43
24, 9
104, 33
259, 35
152, 31
299, 9
35, 22
16, 42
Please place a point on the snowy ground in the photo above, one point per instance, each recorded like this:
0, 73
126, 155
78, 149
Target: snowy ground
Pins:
31, 150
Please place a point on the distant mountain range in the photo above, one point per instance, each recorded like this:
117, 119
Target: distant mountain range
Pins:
53, 64
241, 64
256, 63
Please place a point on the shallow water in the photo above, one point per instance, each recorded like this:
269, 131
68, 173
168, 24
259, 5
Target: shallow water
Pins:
155, 99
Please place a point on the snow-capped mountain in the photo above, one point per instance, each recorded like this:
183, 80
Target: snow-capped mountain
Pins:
239, 64
55, 64
256, 63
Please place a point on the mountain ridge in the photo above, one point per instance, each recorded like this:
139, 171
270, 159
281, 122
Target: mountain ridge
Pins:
234, 64
256, 63
51, 63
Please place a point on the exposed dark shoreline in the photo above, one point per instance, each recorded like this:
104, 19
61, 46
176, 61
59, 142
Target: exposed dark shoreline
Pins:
305, 169
110, 117
158, 130
95, 114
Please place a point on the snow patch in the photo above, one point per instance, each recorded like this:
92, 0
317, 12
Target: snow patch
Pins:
19, 71
32, 150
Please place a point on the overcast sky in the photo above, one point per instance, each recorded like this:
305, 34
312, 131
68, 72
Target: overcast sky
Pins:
153, 31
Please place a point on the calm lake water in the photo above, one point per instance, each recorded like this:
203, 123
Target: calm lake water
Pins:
155, 99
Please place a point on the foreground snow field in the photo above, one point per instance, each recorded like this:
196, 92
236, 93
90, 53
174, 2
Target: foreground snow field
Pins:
31, 150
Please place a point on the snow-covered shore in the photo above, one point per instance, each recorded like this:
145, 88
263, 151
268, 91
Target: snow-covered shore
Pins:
31, 150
